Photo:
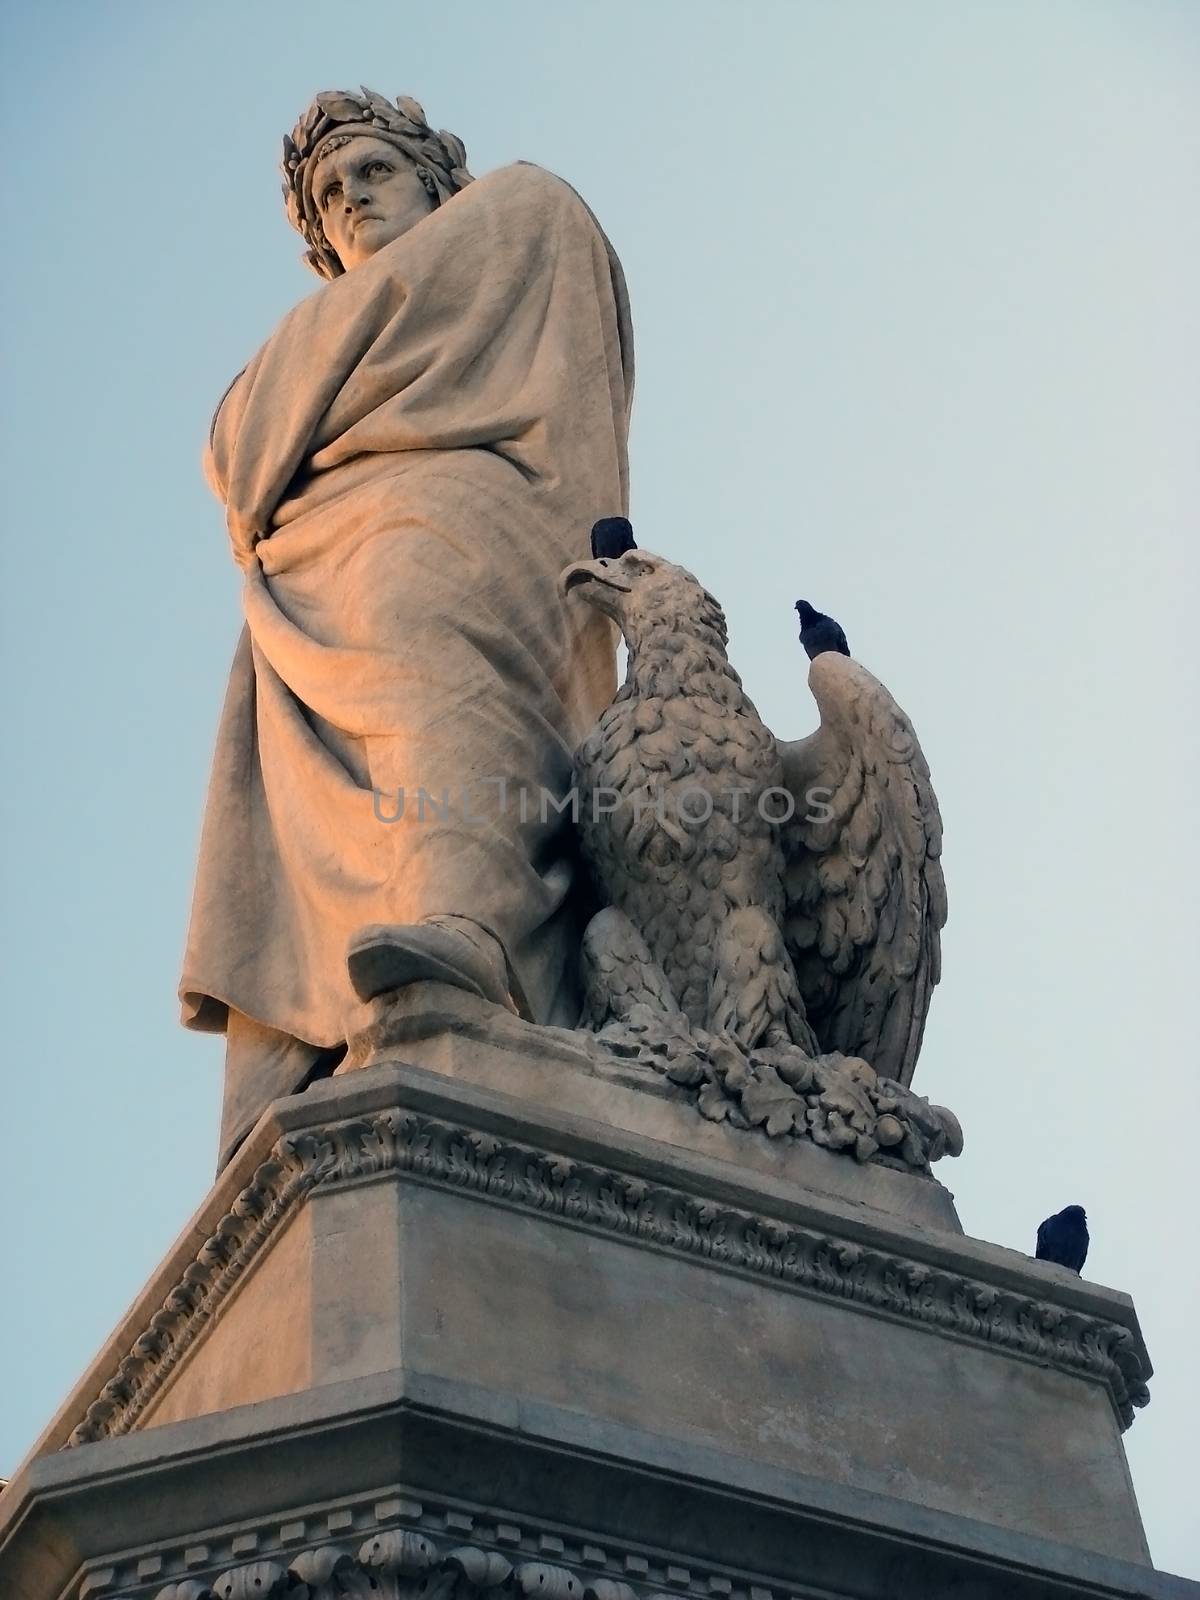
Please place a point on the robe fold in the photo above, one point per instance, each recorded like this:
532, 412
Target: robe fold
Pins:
407, 466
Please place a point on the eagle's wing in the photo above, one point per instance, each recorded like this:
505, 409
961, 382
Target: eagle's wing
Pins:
866, 899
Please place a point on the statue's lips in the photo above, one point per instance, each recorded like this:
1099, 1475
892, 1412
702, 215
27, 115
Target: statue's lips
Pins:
590, 572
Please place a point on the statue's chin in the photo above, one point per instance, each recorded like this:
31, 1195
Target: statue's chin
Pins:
371, 236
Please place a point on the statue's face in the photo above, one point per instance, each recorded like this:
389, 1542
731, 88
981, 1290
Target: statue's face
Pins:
367, 194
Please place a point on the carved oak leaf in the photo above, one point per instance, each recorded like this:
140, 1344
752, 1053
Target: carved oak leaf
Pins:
770, 1103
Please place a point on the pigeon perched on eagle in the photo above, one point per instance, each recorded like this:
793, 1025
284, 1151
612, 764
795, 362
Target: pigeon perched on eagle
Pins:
777, 893
818, 632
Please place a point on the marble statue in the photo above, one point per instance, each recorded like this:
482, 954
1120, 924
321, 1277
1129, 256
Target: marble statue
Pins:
407, 465
772, 911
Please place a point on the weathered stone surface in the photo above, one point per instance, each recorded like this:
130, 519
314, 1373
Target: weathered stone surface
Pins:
470, 1240
453, 1033
400, 1478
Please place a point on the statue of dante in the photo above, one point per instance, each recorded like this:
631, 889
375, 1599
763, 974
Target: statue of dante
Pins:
407, 465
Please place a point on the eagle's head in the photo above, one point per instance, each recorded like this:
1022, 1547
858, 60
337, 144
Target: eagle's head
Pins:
646, 595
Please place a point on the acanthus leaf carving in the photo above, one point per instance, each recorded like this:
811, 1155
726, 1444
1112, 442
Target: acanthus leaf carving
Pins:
256, 1580
482, 1569
326, 1572
609, 1589
539, 1580
399, 1553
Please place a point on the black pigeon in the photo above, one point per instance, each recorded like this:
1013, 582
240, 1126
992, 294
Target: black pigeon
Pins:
1064, 1238
611, 537
819, 633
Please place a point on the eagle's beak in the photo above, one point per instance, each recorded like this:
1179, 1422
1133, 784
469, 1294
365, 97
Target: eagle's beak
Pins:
603, 571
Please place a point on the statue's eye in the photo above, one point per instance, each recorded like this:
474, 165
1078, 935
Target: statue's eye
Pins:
331, 193
377, 166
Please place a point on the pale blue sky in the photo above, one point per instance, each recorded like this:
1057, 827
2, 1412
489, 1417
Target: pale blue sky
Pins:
914, 289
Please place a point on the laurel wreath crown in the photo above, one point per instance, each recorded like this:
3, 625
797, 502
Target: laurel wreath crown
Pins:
440, 157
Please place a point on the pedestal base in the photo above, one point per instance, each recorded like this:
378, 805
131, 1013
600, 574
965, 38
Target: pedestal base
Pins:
440, 1334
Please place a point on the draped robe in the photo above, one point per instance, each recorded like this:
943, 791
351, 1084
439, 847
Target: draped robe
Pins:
407, 466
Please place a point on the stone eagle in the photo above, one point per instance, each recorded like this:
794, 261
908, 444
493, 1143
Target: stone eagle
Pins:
780, 894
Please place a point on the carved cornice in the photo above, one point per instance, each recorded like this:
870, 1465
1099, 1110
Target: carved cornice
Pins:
410, 1563
397, 1565
443, 1154
291, 1170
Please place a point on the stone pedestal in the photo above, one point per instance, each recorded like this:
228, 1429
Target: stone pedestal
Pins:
517, 1324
